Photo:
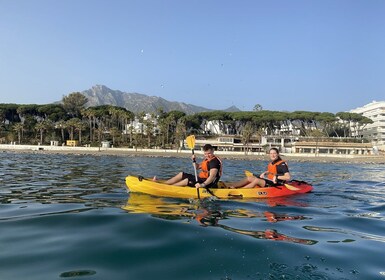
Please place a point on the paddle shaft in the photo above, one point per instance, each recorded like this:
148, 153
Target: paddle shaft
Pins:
195, 172
290, 187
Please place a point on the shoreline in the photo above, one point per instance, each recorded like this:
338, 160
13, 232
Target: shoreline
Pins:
43, 149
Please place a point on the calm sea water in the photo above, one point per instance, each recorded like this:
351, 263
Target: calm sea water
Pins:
70, 217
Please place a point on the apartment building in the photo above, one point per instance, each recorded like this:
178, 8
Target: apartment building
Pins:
139, 125
375, 131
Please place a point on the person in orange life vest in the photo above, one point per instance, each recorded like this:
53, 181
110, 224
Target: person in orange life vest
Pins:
277, 173
211, 171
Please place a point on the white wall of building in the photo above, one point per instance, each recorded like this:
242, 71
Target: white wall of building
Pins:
375, 131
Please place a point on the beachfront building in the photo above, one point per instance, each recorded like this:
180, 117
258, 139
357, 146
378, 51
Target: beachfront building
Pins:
216, 127
331, 148
147, 123
375, 132
288, 145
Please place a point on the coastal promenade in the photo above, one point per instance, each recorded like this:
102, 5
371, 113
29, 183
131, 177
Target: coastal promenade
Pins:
378, 159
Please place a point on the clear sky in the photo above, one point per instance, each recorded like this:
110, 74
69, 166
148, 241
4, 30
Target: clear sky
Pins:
286, 55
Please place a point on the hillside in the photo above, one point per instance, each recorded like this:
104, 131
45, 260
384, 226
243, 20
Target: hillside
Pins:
136, 102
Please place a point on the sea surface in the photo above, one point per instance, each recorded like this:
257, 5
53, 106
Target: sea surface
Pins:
71, 217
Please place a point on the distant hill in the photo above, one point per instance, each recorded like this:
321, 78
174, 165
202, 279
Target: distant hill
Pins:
232, 109
136, 102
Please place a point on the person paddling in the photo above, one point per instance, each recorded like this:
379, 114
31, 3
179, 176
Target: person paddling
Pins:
277, 173
211, 171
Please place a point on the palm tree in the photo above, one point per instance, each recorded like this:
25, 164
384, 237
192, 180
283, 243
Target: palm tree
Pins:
41, 127
163, 131
62, 125
79, 127
126, 117
149, 130
19, 128
138, 139
247, 132
99, 132
180, 132
2, 115
89, 113
71, 126
114, 133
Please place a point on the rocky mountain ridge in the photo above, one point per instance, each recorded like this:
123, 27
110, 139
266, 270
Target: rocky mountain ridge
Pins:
136, 102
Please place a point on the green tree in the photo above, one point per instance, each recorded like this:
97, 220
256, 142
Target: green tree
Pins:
10, 113
257, 107
115, 133
247, 133
220, 119
327, 121
180, 132
163, 131
62, 125
303, 120
52, 112
352, 121
19, 129
149, 127
2, 115
74, 103
89, 113
43, 126
72, 125
79, 127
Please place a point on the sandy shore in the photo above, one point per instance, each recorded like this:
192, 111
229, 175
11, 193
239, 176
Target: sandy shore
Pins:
375, 159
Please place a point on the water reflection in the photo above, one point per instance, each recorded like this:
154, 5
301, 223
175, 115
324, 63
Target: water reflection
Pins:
157, 206
209, 213
77, 273
270, 234
285, 201
346, 232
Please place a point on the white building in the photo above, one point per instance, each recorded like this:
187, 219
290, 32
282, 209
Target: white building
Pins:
375, 131
137, 126
216, 127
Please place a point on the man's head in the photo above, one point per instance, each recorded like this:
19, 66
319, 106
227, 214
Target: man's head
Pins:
208, 147
208, 150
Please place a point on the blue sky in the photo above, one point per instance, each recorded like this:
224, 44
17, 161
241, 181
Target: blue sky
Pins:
324, 56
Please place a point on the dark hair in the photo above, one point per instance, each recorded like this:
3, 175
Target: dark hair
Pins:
208, 147
274, 149
277, 151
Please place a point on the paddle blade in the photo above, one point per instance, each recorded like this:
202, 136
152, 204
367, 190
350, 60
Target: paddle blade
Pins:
248, 173
191, 141
292, 188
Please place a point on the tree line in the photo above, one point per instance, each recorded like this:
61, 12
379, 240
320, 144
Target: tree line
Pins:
71, 120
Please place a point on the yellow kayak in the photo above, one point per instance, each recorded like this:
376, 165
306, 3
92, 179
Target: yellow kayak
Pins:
158, 188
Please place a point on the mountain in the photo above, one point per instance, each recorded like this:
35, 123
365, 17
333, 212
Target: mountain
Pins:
232, 109
136, 102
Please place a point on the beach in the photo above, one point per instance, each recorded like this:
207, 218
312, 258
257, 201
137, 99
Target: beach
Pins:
130, 152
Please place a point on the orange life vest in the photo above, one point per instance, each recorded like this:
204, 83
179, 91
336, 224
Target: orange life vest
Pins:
204, 174
272, 169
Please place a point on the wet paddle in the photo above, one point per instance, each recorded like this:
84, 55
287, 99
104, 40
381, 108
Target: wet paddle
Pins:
290, 187
191, 144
